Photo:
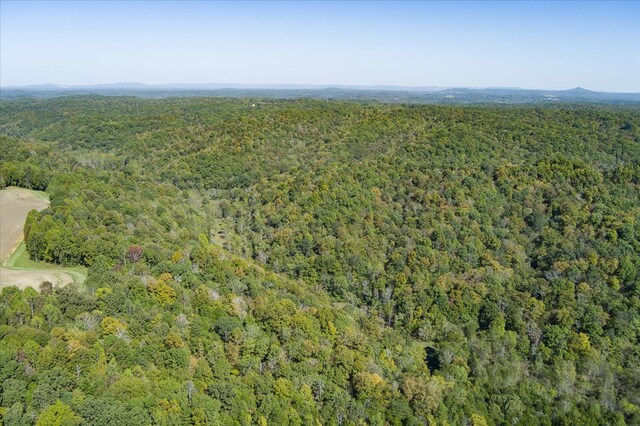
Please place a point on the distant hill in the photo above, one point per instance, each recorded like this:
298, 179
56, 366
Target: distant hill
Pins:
386, 94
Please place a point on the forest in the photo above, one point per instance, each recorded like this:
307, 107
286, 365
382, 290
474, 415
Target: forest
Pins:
257, 261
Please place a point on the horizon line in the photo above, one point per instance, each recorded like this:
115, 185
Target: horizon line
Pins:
291, 86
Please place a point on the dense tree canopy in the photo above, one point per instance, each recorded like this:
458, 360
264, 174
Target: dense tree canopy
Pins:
259, 261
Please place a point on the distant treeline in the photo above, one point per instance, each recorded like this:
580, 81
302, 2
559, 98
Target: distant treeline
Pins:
390, 95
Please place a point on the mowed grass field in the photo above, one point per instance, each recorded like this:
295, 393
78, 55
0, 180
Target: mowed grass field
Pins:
17, 268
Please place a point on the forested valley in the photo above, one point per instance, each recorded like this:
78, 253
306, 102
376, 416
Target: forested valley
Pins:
313, 262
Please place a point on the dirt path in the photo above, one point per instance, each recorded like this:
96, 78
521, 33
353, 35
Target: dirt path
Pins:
17, 269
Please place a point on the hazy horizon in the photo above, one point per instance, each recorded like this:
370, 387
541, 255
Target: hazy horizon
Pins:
286, 86
526, 45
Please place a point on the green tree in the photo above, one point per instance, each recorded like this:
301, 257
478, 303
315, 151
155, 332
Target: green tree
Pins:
58, 414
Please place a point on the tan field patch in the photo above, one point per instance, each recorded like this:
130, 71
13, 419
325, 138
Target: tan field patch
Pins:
23, 279
17, 269
15, 203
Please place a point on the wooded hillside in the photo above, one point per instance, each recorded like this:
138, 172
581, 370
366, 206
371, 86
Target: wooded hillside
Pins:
304, 262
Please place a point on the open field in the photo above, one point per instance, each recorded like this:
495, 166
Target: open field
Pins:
15, 203
17, 268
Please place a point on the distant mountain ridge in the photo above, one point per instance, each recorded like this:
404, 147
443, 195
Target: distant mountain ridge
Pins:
216, 86
380, 93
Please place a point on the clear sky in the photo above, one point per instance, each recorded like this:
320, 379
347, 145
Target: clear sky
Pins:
546, 45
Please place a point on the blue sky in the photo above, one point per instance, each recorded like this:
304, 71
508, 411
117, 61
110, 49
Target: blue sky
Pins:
547, 45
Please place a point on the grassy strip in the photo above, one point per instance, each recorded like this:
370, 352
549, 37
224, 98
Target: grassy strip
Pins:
20, 260
40, 194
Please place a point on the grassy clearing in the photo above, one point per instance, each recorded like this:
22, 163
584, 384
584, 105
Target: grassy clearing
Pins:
40, 194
